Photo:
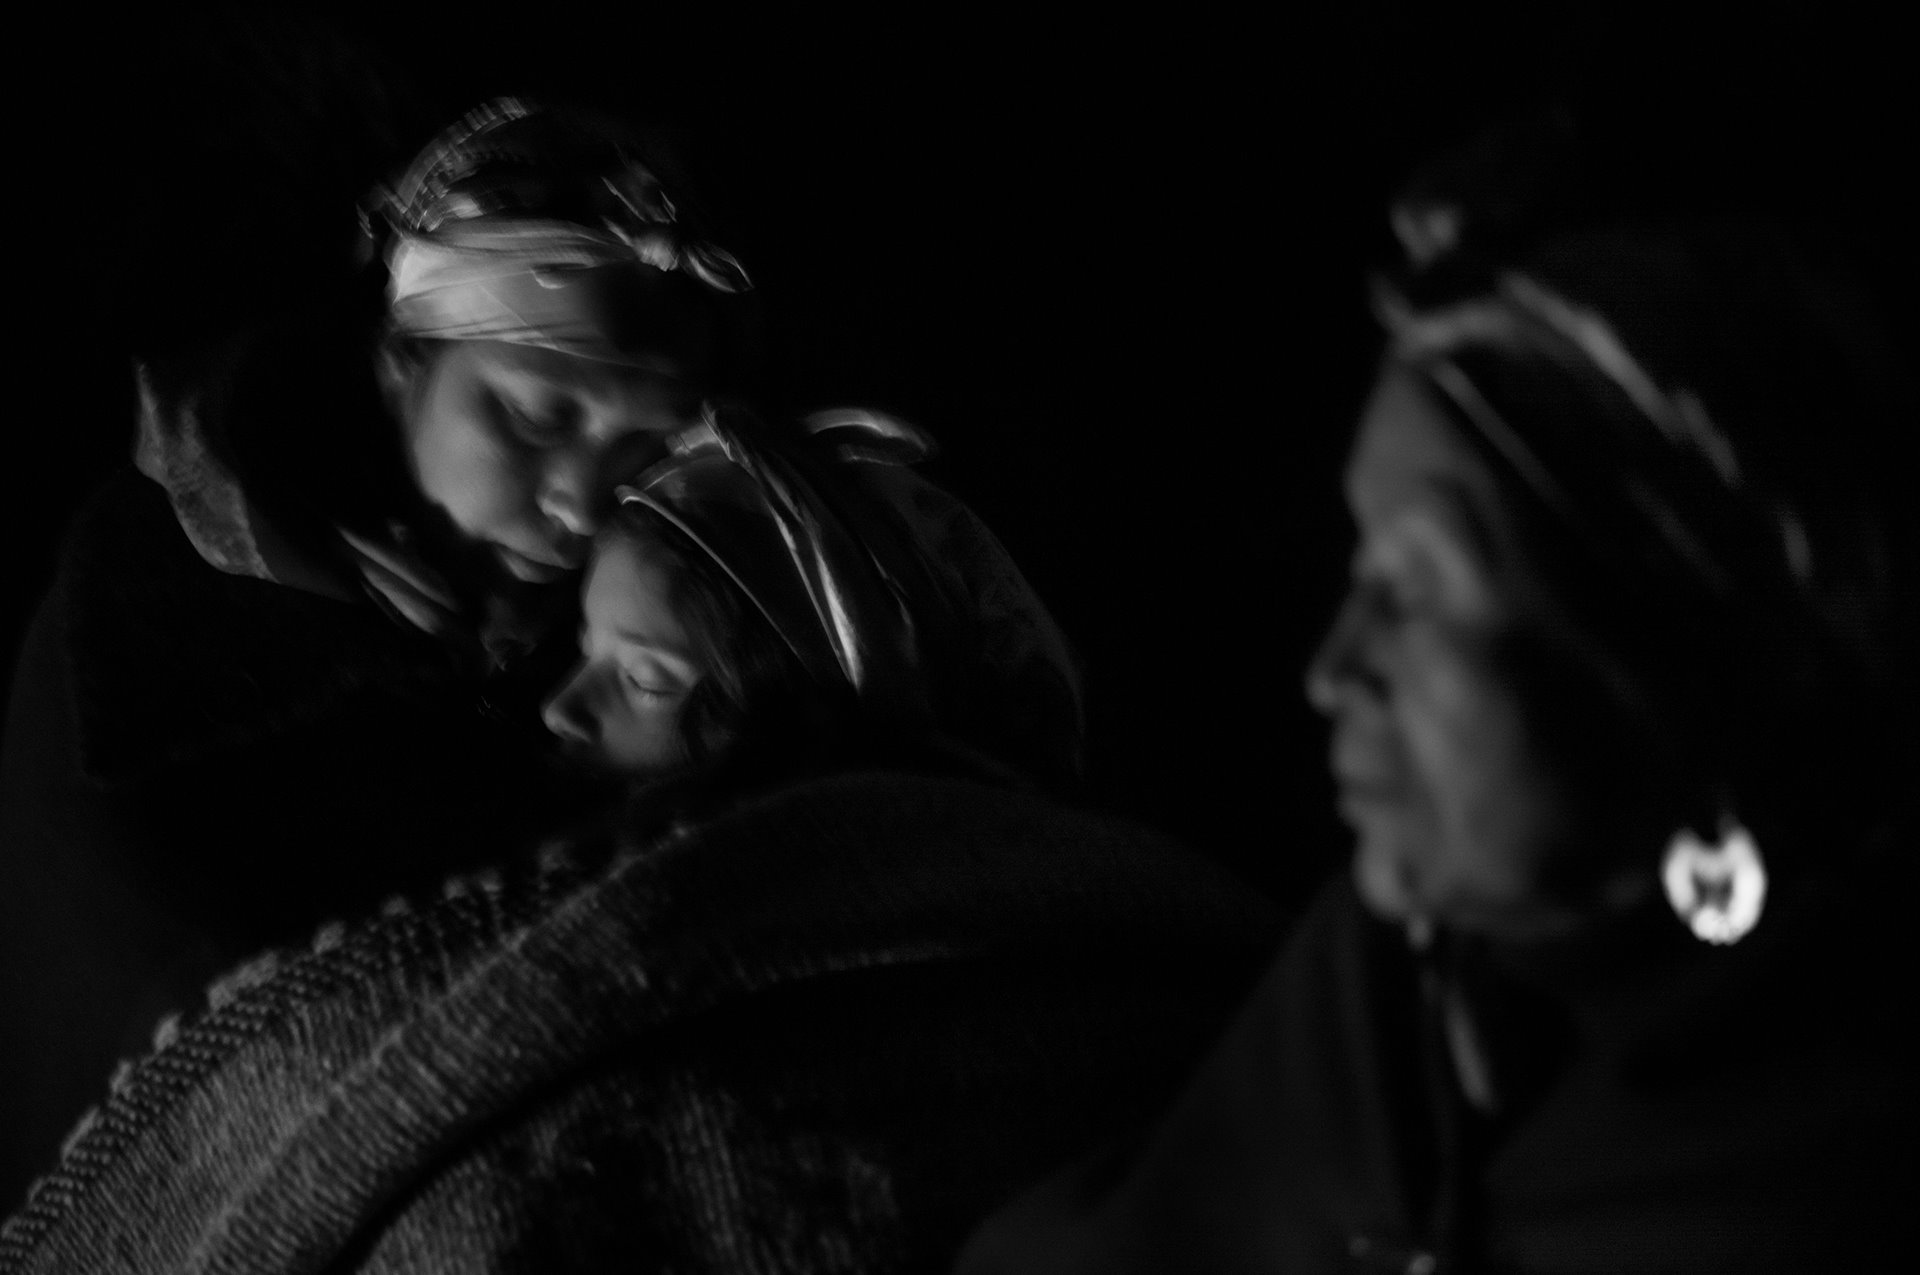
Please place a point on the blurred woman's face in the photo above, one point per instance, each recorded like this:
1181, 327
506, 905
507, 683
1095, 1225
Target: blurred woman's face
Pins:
621, 706
521, 447
1457, 765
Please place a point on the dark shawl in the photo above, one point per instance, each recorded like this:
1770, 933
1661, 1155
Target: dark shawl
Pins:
823, 1033
1674, 1107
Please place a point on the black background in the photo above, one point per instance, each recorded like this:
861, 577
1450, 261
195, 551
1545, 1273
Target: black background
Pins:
1115, 263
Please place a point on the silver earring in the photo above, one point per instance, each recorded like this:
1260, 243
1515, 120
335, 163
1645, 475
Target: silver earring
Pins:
1716, 888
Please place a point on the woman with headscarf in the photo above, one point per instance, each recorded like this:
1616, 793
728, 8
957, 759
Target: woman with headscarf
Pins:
1622, 696
294, 664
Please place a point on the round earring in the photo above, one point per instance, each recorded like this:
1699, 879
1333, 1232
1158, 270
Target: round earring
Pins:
1716, 888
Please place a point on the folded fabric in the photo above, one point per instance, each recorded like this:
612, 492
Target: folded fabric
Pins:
826, 1031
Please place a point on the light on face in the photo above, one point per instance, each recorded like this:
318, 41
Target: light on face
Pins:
521, 447
1494, 781
1437, 773
623, 704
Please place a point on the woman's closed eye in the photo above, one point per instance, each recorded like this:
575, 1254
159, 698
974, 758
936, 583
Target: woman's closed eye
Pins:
1397, 591
534, 428
648, 687
1421, 568
638, 689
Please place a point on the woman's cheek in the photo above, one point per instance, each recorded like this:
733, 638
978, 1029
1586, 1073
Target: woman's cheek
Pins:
480, 480
1468, 742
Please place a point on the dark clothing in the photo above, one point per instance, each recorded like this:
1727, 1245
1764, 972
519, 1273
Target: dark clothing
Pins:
823, 1032
1663, 1106
198, 764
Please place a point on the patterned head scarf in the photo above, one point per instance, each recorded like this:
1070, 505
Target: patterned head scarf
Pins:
518, 225
1675, 400
522, 223
879, 583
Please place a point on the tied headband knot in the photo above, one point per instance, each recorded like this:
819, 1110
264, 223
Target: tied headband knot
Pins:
484, 243
653, 231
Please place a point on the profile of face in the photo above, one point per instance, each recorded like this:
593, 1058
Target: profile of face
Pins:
621, 706
1487, 783
521, 447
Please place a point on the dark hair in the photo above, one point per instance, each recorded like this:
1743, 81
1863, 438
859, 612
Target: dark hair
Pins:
755, 710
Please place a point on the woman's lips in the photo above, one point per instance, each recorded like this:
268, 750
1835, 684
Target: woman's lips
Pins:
1363, 780
1361, 768
1355, 801
531, 570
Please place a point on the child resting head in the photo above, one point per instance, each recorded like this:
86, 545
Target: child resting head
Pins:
772, 606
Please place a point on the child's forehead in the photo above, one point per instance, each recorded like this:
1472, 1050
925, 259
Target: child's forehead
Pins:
634, 532
630, 580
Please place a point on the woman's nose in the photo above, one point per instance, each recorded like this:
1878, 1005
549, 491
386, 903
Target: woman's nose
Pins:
578, 481
1333, 669
567, 495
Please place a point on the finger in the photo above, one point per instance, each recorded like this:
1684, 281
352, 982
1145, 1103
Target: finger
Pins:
420, 610
405, 566
410, 609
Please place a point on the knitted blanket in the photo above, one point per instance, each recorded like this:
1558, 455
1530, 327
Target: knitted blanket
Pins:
825, 1032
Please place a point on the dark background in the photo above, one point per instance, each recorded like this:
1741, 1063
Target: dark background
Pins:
1117, 266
